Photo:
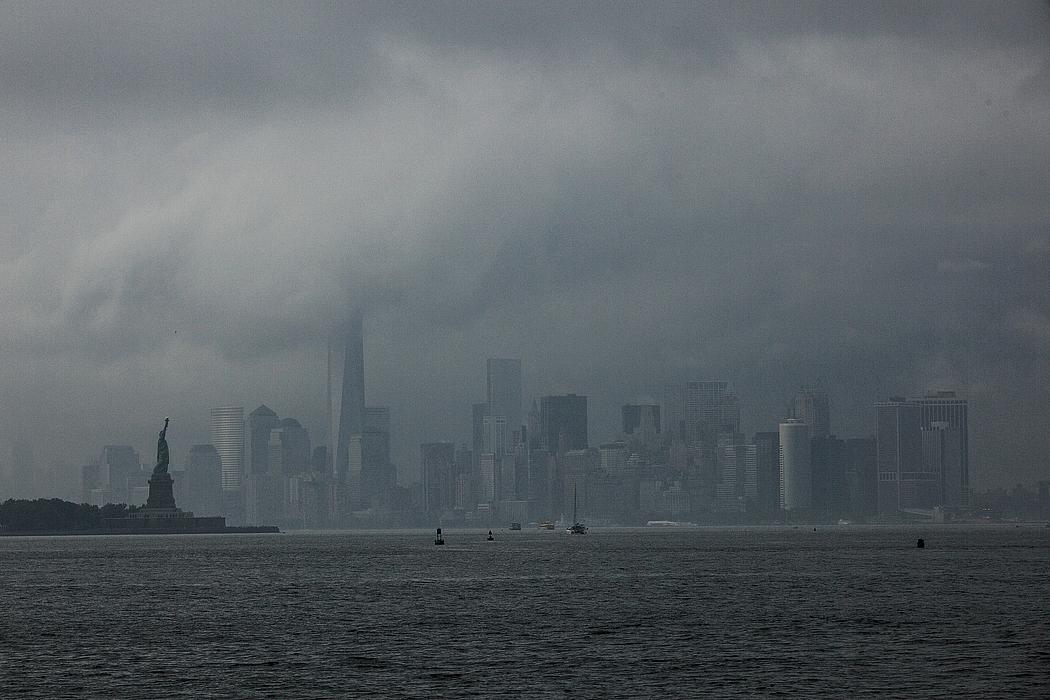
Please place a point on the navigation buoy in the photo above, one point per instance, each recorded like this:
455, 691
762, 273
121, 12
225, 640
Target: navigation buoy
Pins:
921, 544
490, 537
438, 539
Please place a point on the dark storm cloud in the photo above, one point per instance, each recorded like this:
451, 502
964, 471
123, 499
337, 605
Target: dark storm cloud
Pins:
851, 194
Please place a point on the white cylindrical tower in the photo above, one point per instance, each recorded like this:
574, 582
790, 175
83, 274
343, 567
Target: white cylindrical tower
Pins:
227, 435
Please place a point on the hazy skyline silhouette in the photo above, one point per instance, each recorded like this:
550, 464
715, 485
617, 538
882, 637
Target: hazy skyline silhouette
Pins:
850, 196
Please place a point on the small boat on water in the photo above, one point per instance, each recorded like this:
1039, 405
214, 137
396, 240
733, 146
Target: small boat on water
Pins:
515, 526
439, 539
546, 525
577, 528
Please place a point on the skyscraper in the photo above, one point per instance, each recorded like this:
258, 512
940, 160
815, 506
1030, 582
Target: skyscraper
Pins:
830, 465
346, 391
204, 476
463, 493
563, 423
90, 482
285, 452
503, 396
292, 442
117, 465
703, 410
811, 407
478, 411
496, 432
922, 450
260, 422
438, 468
377, 418
796, 477
673, 409
862, 476
377, 472
737, 488
227, 435
488, 478
533, 426
641, 418
614, 457
898, 436
767, 457
945, 444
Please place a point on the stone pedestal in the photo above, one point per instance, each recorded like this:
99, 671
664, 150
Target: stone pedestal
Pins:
160, 491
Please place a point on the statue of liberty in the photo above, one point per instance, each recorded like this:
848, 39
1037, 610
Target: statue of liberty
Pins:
162, 451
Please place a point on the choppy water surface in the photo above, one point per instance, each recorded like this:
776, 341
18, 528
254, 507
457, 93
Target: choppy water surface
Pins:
836, 612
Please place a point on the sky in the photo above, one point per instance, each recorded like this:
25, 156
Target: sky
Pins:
851, 196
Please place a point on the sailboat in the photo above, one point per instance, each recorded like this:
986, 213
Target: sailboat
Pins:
577, 528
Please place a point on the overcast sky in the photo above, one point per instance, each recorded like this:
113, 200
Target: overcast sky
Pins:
854, 196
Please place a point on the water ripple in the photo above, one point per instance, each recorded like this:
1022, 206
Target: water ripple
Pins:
724, 612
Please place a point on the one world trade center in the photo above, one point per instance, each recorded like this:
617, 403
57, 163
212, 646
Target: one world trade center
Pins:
346, 392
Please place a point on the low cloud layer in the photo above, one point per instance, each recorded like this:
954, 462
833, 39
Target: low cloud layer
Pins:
850, 195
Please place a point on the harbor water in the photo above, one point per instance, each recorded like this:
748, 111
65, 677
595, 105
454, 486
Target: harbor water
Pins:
835, 612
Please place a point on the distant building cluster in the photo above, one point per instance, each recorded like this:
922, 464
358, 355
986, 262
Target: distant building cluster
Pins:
683, 457
687, 459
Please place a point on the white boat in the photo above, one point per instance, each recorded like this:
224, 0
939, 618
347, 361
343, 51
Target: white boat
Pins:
669, 523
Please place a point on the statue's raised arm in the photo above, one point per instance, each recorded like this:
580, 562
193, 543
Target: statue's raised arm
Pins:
162, 451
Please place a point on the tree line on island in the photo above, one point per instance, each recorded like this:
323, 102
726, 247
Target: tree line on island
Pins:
51, 514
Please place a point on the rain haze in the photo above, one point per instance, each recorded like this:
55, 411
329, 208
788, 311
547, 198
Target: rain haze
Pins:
524, 349
844, 195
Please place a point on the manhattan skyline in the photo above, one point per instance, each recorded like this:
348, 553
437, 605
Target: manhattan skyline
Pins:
846, 197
